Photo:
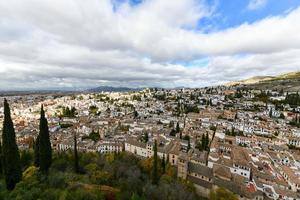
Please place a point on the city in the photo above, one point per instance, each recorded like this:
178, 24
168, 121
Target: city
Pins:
244, 140
150, 100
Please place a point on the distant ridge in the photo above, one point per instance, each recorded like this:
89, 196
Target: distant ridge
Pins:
113, 89
253, 80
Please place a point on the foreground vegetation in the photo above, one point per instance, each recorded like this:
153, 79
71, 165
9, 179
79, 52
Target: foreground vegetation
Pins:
111, 176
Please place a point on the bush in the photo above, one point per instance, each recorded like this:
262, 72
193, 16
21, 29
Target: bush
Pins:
81, 194
57, 180
222, 193
61, 165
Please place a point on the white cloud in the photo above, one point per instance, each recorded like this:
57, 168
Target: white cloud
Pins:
74, 43
256, 4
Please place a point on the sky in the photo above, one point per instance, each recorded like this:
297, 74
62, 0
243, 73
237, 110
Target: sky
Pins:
76, 44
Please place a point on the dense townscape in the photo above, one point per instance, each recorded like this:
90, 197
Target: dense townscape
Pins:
242, 140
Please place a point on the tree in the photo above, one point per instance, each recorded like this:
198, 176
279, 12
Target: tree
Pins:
163, 164
203, 145
37, 152
95, 136
173, 132
135, 114
177, 127
271, 113
206, 141
1, 165
236, 116
45, 151
189, 144
146, 137
232, 131
155, 167
198, 145
171, 124
10, 151
67, 112
76, 160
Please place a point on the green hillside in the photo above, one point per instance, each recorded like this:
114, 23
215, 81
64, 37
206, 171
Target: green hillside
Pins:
286, 82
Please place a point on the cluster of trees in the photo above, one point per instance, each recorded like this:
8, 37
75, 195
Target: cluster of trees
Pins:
67, 112
11, 165
293, 99
204, 145
136, 98
161, 96
95, 136
145, 137
65, 125
233, 132
238, 94
182, 108
195, 97
191, 109
263, 96
176, 130
94, 110
296, 121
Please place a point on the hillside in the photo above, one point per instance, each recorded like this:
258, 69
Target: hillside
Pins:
287, 82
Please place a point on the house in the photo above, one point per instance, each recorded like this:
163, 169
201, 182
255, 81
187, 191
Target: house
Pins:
292, 176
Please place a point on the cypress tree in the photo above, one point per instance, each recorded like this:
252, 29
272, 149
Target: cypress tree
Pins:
163, 164
1, 165
189, 144
45, 151
155, 168
203, 144
76, 162
37, 152
10, 151
206, 141
177, 128
146, 137
168, 159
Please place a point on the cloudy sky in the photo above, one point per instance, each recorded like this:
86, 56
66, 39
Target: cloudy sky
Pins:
73, 44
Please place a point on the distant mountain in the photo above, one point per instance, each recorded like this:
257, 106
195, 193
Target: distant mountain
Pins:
36, 92
113, 89
289, 82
